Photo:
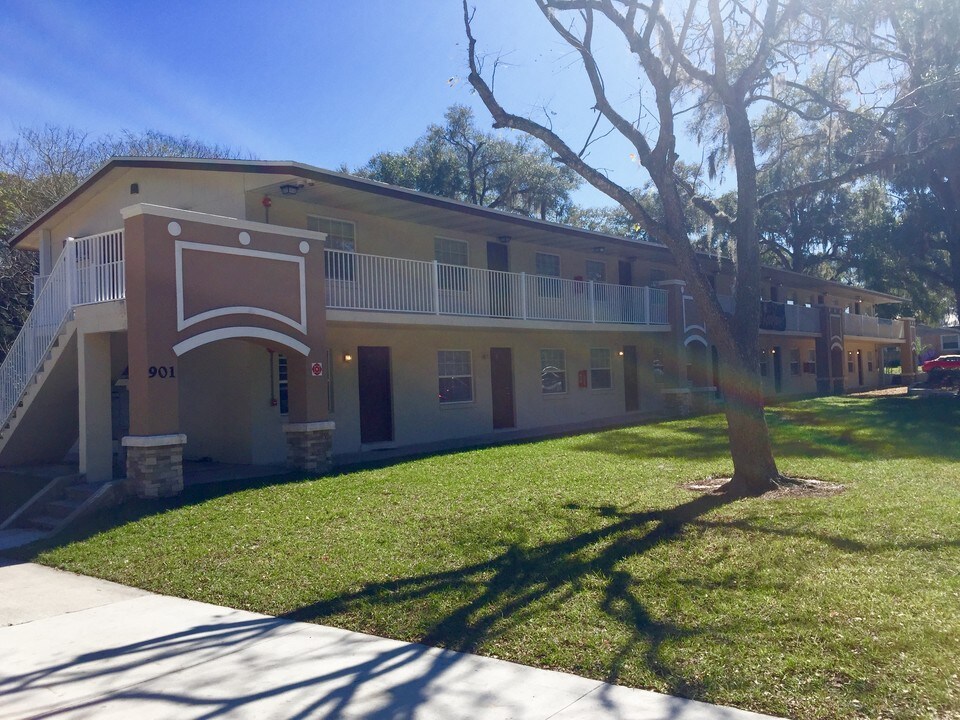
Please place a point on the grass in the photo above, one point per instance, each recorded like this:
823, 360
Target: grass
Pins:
584, 554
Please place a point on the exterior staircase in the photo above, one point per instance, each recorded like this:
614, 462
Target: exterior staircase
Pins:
59, 503
38, 378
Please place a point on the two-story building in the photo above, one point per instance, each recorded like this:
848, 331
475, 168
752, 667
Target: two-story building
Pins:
270, 312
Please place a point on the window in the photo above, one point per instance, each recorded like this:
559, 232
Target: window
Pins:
553, 372
810, 366
342, 236
950, 342
596, 271
795, 361
454, 376
870, 361
453, 256
601, 377
849, 362
548, 266
763, 363
283, 385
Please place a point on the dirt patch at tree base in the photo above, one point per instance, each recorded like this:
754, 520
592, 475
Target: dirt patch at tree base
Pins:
786, 488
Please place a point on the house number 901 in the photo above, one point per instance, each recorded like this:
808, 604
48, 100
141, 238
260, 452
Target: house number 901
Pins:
163, 372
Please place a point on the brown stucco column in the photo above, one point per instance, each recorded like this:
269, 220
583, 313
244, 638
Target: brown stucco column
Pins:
309, 433
908, 357
155, 445
830, 357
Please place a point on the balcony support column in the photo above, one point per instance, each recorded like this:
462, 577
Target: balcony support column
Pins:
96, 427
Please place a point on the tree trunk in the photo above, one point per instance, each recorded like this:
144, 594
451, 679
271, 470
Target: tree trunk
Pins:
754, 469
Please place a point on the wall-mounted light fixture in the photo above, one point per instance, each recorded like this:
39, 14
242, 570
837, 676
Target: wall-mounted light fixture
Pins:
289, 189
505, 239
347, 357
600, 249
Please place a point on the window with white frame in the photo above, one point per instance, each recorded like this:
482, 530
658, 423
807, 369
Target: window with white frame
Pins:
950, 342
870, 361
454, 376
601, 375
548, 268
341, 236
810, 366
764, 363
794, 361
553, 371
453, 256
283, 385
596, 271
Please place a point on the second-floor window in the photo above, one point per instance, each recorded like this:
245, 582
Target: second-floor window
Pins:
453, 256
548, 268
341, 235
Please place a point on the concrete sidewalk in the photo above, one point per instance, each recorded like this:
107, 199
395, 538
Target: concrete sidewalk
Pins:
77, 647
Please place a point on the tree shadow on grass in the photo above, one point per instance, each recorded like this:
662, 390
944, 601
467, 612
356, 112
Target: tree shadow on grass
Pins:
850, 429
502, 593
499, 595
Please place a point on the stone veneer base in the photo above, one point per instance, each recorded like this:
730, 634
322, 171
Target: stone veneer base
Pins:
309, 446
154, 465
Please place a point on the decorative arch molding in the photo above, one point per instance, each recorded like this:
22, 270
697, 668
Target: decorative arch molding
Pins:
206, 338
695, 339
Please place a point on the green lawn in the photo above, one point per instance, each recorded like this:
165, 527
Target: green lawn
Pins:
584, 554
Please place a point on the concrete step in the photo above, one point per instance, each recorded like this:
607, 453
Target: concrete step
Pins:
43, 522
61, 508
80, 491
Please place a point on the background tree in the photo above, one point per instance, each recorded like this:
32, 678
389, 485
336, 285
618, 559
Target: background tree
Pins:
723, 61
460, 161
40, 166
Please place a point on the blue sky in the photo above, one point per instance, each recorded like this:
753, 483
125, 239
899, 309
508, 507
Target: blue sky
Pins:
323, 82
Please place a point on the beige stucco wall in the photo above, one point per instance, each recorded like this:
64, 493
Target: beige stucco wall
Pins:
871, 354
225, 408
420, 418
802, 384
218, 193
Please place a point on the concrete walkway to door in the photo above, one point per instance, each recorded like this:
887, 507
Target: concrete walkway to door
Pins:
77, 647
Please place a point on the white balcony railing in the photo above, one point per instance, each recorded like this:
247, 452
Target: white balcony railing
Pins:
874, 327
89, 270
371, 282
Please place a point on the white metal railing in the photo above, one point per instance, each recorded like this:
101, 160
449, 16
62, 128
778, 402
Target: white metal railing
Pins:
802, 319
88, 270
38, 282
869, 326
99, 272
371, 282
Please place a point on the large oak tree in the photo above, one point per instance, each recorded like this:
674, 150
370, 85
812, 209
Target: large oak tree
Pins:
723, 63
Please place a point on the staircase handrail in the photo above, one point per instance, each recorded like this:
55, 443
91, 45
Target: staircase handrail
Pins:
51, 311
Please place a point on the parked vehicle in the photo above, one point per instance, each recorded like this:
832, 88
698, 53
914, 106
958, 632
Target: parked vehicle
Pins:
944, 362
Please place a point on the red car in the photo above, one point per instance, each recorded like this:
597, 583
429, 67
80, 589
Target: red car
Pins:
944, 362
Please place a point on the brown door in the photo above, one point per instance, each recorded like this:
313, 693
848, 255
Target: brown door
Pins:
501, 383
376, 398
631, 388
